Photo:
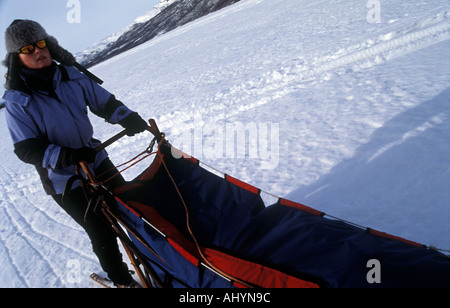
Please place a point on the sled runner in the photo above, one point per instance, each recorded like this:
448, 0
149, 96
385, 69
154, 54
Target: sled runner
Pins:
183, 226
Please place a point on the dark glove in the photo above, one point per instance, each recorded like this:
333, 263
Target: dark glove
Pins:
134, 124
87, 154
69, 157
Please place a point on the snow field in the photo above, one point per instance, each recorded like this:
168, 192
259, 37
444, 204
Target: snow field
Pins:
362, 110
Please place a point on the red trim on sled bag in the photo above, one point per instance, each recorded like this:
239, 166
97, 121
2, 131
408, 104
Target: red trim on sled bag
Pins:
186, 254
301, 207
241, 184
393, 237
254, 273
243, 270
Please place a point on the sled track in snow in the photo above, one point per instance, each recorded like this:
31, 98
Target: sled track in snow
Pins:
4, 250
385, 48
298, 74
26, 230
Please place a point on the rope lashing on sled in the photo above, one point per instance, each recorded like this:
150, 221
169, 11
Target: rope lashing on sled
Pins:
134, 161
204, 258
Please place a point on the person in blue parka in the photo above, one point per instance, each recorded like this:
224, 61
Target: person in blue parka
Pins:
47, 106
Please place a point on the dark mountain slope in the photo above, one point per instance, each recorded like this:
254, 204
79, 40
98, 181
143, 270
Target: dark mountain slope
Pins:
175, 15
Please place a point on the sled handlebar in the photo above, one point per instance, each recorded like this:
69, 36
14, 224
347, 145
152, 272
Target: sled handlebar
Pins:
110, 141
152, 128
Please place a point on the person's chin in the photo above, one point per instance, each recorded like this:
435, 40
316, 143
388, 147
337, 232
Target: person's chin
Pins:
43, 63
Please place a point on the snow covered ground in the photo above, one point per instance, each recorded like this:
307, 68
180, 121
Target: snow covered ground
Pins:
351, 116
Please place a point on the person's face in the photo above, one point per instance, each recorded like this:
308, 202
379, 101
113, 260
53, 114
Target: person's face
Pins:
37, 59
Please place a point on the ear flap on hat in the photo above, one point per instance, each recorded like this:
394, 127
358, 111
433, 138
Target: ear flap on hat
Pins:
58, 53
13, 82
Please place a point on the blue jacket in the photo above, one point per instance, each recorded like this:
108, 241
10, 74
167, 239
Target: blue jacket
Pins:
60, 121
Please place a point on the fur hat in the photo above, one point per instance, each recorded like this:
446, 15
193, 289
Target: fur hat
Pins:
25, 32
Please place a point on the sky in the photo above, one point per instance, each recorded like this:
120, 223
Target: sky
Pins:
76, 24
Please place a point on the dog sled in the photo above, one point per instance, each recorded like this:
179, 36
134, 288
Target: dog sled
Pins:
183, 226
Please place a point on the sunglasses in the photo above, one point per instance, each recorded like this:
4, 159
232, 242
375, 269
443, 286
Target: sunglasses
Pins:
30, 48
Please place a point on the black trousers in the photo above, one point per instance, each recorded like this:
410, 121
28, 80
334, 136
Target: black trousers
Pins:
103, 239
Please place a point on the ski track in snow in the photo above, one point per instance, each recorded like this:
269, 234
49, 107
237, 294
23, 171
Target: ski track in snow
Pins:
31, 223
286, 79
30, 232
